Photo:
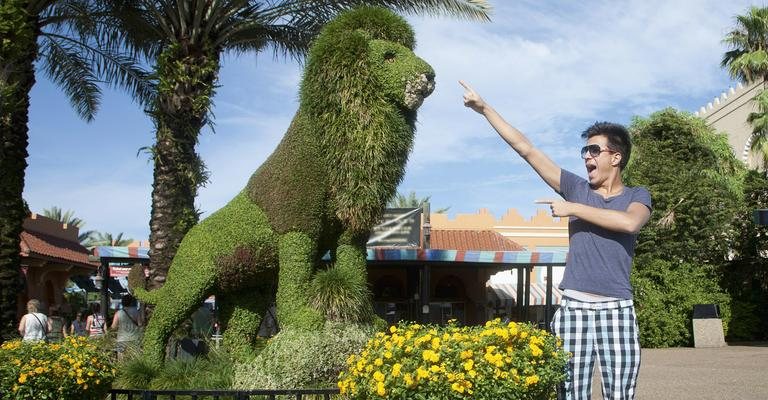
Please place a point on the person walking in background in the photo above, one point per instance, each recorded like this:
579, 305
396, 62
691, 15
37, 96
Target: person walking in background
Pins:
596, 317
56, 326
128, 324
95, 324
77, 327
33, 325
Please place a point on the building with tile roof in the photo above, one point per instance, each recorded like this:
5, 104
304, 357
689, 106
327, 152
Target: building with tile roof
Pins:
50, 255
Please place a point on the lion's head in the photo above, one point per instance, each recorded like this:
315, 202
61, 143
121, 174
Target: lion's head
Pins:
365, 55
362, 85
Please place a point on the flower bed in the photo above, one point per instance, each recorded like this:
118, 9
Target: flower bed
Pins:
497, 361
76, 368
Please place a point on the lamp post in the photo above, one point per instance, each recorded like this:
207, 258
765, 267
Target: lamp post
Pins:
100, 281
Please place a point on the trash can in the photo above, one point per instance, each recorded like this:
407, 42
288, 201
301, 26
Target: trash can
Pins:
707, 326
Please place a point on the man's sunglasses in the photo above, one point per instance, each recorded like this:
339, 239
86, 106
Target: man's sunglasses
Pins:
593, 150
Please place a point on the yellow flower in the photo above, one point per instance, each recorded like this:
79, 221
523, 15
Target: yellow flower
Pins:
378, 376
387, 354
380, 390
393, 329
457, 387
429, 355
22, 378
535, 350
531, 380
378, 362
468, 365
396, 369
408, 380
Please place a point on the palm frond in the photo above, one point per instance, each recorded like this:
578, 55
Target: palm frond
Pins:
68, 68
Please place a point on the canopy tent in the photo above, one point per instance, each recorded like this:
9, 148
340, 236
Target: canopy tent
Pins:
469, 256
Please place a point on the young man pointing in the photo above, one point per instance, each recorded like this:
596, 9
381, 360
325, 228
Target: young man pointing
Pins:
596, 318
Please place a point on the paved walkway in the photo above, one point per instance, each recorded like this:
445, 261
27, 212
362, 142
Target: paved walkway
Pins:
736, 372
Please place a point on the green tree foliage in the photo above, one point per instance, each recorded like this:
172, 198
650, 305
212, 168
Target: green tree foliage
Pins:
695, 184
745, 276
666, 292
75, 44
747, 60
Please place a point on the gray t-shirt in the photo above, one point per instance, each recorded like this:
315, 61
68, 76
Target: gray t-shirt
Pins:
599, 260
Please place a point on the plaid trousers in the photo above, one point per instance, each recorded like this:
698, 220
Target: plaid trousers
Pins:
606, 330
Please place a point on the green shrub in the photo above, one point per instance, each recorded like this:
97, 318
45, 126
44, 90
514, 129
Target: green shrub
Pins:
212, 371
76, 368
339, 297
302, 359
497, 361
665, 293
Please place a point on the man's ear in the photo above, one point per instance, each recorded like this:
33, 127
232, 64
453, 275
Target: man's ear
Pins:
616, 159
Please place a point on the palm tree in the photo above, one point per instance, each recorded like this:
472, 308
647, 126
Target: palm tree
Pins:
68, 217
107, 239
74, 44
747, 61
411, 201
186, 38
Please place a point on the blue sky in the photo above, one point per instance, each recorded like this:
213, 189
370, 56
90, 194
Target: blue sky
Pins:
550, 68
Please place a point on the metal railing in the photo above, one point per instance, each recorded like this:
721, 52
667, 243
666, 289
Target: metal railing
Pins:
140, 394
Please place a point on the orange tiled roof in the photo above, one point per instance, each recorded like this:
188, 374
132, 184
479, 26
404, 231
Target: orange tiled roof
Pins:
35, 243
481, 240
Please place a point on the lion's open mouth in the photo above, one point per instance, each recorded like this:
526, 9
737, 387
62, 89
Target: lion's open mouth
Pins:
418, 89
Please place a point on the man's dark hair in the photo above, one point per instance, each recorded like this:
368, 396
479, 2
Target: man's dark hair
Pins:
618, 138
128, 300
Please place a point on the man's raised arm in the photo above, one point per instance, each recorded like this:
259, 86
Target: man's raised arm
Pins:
543, 165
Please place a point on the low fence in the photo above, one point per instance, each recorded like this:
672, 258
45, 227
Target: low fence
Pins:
138, 394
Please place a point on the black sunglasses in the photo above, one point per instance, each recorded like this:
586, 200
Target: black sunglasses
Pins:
594, 150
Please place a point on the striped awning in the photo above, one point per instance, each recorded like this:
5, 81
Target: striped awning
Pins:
121, 252
458, 256
392, 254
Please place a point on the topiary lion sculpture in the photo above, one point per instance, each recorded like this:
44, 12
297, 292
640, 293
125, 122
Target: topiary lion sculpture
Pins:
321, 190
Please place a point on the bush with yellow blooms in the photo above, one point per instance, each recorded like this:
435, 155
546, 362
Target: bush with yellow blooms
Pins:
495, 361
76, 368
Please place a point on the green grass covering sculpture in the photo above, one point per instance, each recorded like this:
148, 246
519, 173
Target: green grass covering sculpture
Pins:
321, 190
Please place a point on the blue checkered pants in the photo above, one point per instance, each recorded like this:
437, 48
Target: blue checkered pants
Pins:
606, 330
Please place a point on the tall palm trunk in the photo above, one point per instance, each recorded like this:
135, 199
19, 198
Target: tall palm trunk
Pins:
186, 76
18, 49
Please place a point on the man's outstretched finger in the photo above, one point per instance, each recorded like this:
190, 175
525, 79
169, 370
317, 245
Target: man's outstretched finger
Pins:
466, 86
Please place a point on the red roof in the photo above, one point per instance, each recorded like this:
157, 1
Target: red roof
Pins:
483, 240
65, 251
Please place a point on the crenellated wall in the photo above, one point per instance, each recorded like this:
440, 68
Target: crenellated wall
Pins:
539, 232
728, 113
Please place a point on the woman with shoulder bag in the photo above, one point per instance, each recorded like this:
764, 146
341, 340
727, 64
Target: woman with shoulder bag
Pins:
128, 324
33, 325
